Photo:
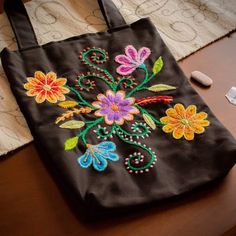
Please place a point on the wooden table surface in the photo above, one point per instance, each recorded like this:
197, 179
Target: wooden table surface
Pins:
31, 204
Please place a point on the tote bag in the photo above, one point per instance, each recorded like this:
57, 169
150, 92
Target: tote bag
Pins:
112, 114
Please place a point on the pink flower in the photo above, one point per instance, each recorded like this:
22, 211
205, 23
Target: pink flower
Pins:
132, 60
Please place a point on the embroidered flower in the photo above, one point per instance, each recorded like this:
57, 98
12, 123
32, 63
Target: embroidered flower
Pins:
98, 155
184, 122
132, 60
115, 107
46, 87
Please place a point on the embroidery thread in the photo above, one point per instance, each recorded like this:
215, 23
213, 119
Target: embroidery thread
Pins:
114, 107
46, 87
183, 122
132, 60
97, 155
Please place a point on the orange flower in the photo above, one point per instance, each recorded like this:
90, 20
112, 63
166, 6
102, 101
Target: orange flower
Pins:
184, 122
46, 87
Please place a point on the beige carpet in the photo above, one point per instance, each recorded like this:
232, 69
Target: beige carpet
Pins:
185, 26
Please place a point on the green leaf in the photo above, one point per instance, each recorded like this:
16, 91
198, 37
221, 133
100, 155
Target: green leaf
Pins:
161, 87
71, 143
72, 124
157, 66
148, 119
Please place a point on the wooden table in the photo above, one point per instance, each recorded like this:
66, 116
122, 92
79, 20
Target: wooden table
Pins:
31, 204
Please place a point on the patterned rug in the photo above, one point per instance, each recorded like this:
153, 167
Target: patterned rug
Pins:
185, 26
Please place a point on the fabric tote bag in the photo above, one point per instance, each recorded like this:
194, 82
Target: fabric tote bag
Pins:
113, 115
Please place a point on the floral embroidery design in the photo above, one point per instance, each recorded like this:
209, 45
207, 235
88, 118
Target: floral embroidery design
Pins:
98, 155
115, 107
183, 122
113, 111
132, 60
46, 87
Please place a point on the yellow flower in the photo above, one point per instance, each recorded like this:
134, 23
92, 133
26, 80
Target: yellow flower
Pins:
46, 87
184, 122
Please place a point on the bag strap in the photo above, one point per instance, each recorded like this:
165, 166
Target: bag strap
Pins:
24, 32
20, 23
111, 14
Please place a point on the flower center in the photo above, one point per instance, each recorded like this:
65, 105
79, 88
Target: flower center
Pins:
114, 107
185, 121
46, 87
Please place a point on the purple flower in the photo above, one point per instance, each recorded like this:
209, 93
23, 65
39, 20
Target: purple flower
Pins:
132, 60
115, 107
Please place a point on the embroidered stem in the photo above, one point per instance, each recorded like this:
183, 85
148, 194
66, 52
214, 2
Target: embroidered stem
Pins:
128, 82
150, 78
140, 86
140, 130
90, 126
71, 113
136, 162
103, 133
82, 101
94, 75
96, 59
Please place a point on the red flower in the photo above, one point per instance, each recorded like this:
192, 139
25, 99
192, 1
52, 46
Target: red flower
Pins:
46, 87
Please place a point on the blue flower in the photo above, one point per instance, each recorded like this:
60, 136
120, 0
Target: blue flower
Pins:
98, 155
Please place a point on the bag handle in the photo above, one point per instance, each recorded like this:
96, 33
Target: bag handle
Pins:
24, 32
20, 24
111, 14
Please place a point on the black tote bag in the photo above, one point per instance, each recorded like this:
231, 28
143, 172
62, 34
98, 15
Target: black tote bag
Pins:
113, 115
